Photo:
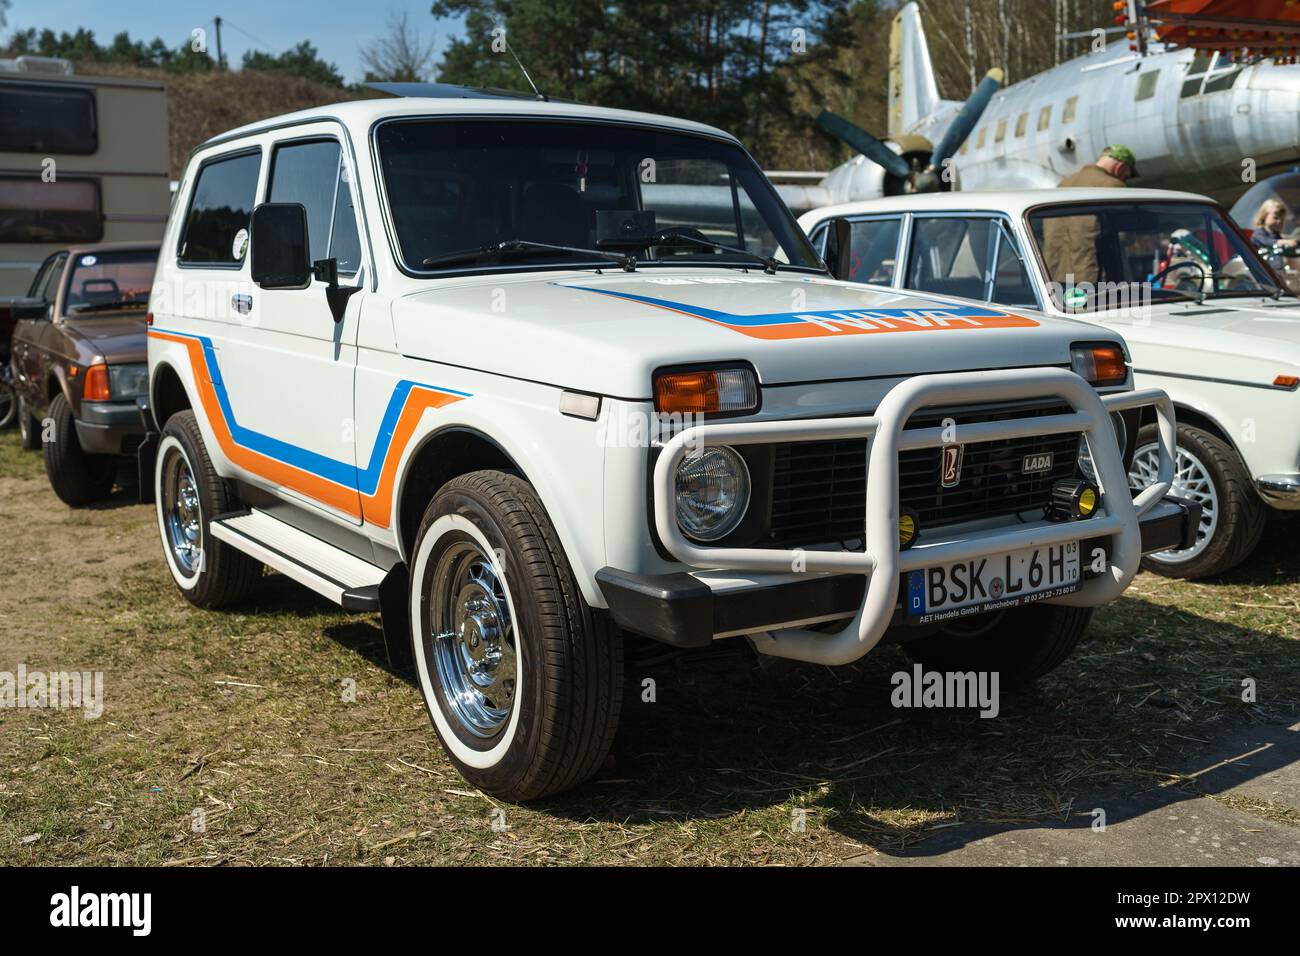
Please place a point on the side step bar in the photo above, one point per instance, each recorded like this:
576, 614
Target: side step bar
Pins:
329, 571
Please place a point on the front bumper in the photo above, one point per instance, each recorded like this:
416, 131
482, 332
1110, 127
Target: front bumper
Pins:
643, 604
688, 610
1280, 491
109, 428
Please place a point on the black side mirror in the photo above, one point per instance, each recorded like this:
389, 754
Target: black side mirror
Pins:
281, 254
327, 271
37, 309
839, 248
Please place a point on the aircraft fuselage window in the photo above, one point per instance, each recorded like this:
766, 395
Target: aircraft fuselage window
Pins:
1146, 87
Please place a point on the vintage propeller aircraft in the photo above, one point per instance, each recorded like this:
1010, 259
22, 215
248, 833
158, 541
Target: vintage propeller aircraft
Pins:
1195, 119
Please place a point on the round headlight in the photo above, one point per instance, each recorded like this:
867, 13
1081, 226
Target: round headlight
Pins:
1086, 465
712, 493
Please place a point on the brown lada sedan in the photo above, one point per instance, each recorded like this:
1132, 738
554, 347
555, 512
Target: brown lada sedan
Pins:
79, 363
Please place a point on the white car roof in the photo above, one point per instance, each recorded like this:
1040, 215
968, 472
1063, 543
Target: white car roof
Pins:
360, 115
1013, 202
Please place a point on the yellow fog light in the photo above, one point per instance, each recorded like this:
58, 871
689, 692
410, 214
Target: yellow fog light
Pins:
1073, 499
907, 528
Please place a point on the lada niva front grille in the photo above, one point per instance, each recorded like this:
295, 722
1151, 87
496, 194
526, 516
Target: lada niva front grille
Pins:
818, 487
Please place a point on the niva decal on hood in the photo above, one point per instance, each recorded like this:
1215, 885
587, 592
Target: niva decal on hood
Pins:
816, 323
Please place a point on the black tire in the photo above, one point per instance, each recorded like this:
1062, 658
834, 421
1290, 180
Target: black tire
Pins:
76, 477
220, 574
1022, 644
1240, 521
8, 404
568, 661
29, 432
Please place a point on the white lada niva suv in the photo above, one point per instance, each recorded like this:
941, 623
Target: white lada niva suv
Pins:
526, 376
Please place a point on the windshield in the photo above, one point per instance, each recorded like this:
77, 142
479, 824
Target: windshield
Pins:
1095, 253
457, 185
110, 281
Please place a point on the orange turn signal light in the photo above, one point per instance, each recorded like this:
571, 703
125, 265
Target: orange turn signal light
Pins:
96, 387
1099, 364
1286, 381
704, 391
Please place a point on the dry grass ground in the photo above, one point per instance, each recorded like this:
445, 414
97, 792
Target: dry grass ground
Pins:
228, 737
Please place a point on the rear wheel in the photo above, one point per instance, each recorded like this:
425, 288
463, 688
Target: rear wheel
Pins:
188, 494
522, 680
76, 477
1021, 644
1206, 470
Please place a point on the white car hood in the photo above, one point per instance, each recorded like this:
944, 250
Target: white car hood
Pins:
1256, 337
607, 333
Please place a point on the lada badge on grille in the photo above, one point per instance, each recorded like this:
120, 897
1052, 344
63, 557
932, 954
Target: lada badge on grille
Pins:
1036, 464
950, 472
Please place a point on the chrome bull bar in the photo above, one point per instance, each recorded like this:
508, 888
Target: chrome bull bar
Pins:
882, 561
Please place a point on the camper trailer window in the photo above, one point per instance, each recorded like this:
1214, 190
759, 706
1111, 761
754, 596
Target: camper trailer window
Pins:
66, 210
47, 119
220, 209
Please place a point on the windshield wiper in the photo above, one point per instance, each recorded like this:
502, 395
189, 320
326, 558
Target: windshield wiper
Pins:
672, 237
513, 247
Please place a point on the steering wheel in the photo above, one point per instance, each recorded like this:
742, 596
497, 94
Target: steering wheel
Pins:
1184, 264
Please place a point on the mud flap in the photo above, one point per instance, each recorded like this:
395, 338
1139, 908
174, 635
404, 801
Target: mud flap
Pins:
146, 454
395, 616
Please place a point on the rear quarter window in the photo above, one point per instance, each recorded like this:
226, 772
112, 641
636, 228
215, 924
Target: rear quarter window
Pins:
220, 210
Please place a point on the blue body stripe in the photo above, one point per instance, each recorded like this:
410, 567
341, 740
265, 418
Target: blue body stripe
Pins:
941, 308
331, 469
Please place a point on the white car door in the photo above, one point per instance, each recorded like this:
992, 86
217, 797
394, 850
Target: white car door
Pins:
287, 367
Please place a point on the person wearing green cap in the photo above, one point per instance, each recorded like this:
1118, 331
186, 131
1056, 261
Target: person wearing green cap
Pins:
1070, 242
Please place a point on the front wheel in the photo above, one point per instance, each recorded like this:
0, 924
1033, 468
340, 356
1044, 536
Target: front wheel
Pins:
522, 680
77, 478
1021, 644
1206, 470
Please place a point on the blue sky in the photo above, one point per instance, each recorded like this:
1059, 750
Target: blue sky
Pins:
337, 28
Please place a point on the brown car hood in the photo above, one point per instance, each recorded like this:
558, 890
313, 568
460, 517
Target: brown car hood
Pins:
119, 338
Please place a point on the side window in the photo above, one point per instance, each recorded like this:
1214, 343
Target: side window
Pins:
40, 287
1010, 281
216, 226
313, 173
949, 255
49, 286
875, 250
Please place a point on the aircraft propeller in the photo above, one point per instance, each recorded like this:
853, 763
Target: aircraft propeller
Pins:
907, 171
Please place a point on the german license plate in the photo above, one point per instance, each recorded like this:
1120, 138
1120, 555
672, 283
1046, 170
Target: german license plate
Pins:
991, 583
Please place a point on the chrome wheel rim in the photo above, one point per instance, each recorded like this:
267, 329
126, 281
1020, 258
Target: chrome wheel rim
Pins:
182, 513
473, 639
1192, 481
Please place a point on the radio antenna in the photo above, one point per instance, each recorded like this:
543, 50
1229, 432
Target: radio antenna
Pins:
511, 50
